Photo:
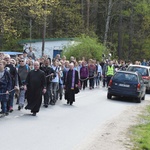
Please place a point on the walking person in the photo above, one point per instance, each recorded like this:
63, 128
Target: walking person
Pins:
98, 73
110, 70
23, 70
14, 77
49, 72
92, 70
35, 85
61, 78
104, 77
54, 86
71, 84
83, 75
5, 87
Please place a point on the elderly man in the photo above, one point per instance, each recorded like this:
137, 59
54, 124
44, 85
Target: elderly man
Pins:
70, 84
35, 85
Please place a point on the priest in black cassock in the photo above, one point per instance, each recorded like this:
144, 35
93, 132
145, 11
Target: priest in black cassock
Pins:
70, 84
35, 86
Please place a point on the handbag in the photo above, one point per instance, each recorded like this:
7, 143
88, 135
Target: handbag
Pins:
76, 90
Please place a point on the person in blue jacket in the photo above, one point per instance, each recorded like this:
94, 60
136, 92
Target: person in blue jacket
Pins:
5, 87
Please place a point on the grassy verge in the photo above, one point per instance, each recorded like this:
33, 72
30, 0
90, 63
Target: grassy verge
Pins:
140, 134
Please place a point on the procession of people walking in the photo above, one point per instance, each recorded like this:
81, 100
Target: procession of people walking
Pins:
36, 81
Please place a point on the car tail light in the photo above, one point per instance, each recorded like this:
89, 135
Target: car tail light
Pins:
146, 77
110, 83
138, 87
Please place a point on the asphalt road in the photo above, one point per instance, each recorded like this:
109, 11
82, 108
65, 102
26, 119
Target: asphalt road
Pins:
60, 127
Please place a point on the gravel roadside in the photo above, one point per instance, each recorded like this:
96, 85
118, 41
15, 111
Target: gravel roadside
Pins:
113, 135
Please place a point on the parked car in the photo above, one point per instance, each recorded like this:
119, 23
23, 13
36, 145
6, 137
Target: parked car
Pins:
144, 71
127, 84
12, 54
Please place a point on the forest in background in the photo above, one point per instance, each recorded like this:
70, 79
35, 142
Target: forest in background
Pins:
123, 26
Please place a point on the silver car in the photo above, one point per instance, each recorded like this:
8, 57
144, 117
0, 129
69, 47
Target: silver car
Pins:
144, 71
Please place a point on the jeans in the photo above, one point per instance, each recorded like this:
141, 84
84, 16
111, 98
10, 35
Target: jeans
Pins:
22, 97
60, 91
53, 91
4, 106
11, 99
98, 79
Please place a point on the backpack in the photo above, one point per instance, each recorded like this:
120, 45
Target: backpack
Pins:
27, 67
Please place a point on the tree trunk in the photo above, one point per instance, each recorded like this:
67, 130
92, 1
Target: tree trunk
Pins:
44, 30
88, 15
120, 33
107, 21
130, 34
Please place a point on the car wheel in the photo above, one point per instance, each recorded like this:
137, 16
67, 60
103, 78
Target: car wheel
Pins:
143, 98
109, 96
147, 91
138, 100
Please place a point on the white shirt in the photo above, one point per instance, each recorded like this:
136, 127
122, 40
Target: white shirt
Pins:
56, 79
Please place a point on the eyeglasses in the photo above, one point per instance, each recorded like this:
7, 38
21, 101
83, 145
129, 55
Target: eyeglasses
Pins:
21, 61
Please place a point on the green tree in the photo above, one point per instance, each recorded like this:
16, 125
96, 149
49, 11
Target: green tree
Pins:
85, 46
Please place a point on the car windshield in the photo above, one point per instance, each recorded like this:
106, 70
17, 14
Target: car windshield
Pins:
142, 71
125, 77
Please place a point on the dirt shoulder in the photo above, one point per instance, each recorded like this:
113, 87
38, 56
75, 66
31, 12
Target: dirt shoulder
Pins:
114, 134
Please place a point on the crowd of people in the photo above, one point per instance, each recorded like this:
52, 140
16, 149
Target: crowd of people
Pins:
26, 77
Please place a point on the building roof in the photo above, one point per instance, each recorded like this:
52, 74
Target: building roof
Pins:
40, 40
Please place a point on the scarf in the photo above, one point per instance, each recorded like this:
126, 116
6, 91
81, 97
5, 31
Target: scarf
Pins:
73, 79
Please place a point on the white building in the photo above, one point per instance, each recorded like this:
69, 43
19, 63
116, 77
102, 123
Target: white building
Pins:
52, 46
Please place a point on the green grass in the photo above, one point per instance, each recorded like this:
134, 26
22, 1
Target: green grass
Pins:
140, 134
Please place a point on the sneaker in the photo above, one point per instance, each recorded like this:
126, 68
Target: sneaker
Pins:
19, 107
52, 103
2, 115
45, 105
11, 110
7, 113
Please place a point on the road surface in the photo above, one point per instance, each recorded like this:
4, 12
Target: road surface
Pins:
60, 127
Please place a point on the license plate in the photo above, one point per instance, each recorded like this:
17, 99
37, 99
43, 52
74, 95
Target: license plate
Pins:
124, 85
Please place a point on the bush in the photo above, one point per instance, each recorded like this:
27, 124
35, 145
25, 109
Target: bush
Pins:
85, 46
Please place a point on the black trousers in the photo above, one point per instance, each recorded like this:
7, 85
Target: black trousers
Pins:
108, 79
83, 82
47, 95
